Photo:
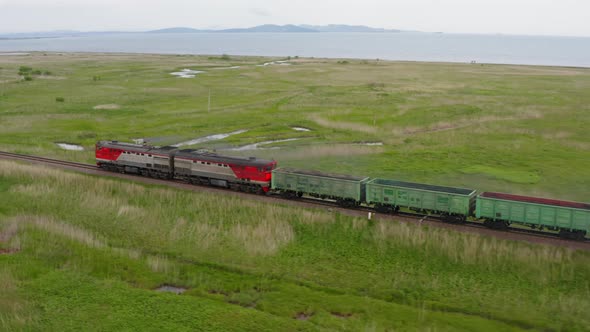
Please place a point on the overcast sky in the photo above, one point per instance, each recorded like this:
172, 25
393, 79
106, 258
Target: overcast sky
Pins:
538, 17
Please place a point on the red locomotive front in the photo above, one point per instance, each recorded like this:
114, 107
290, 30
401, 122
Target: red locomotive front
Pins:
106, 153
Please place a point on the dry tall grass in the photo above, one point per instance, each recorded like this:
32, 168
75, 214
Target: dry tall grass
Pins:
548, 262
256, 228
466, 122
343, 125
13, 311
160, 264
264, 238
315, 217
50, 225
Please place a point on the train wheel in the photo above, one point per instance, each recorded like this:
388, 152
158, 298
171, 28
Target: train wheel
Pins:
572, 235
381, 208
288, 194
496, 224
347, 203
454, 219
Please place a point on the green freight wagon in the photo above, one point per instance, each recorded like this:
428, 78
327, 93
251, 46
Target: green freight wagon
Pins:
571, 219
455, 204
347, 190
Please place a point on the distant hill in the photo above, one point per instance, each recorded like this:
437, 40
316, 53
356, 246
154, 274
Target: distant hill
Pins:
284, 28
346, 28
177, 30
271, 28
259, 28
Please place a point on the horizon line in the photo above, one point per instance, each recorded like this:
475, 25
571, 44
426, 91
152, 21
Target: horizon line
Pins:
221, 30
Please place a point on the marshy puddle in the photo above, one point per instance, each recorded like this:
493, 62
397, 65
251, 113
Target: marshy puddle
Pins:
107, 107
300, 129
187, 73
281, 63
171, 289
69, 146
232, 67
370, 143
256, 146
14, 53
209, 138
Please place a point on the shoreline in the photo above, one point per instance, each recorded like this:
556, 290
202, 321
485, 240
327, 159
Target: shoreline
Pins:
21, 53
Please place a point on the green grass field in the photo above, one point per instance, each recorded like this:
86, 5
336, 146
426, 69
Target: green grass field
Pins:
92, 250
519, 129
80, 253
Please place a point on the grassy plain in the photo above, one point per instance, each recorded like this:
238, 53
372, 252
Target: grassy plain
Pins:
90, 251
84, 253
519, 129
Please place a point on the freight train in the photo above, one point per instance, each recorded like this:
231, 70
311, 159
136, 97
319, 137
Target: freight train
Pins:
495, 210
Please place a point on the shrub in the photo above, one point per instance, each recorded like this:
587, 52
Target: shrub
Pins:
28, 78
60, 99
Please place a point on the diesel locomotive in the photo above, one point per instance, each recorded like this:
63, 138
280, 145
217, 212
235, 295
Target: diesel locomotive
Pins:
194, 166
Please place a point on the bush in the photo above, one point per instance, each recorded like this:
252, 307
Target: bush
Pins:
60, 99
24, 69
37, 72
28, 78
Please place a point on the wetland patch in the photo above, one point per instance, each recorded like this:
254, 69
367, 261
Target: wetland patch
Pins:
70, 146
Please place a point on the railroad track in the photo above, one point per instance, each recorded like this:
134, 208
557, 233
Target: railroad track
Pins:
44, 160
412, 217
